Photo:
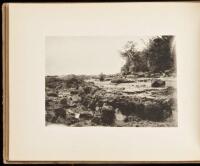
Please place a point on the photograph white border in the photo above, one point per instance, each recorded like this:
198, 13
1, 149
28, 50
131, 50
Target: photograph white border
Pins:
30, 140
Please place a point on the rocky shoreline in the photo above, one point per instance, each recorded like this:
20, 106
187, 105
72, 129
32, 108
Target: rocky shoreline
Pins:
76, 101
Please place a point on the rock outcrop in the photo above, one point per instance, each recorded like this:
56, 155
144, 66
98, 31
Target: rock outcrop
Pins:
87, 103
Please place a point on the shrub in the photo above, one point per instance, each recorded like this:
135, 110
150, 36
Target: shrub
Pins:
102, 77
73, 81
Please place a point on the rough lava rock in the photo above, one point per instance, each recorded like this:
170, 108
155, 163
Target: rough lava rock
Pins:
158, 83
86, 115
108, 114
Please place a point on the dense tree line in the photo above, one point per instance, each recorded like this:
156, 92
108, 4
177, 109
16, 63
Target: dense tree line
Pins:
158, 56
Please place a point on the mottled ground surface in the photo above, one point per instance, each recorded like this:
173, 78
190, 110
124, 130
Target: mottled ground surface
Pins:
74, 101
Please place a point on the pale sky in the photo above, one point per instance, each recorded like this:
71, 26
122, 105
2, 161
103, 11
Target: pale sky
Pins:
86, 55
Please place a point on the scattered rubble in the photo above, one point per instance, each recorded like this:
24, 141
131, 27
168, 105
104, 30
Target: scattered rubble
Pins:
88, 104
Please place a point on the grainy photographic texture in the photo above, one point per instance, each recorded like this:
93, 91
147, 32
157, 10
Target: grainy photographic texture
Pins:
111, 81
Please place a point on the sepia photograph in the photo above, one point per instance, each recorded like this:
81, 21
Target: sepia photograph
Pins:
101, 83
113, 81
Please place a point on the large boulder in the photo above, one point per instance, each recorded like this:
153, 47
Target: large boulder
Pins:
149, 110
64, 102
108, 114
158, 83
125, 104
155, 111
60, 112
86, 115
52, 94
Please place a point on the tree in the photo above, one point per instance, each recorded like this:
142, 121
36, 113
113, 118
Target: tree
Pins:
157, 57
135, 61
160, 57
